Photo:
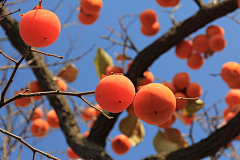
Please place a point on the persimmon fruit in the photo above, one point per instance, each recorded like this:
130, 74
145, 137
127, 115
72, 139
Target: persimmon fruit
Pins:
217, 42
39, 27
87, 19
148, 17
39, 127
150, 30
52, 119
200, 43
184, 49
114, 93
168, 123
214, 29
120, 144
113, 69
194, 90
34, 86
232, 98
154, 103
181, 80
37, 113
23, 102
230, 72
180, 104
195, 61
91, 6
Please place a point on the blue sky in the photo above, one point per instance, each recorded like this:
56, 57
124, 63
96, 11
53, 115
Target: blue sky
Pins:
165, 67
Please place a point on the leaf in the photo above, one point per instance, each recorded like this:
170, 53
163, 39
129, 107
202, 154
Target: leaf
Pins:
183, 118
122, 57
102, 61
171, 140
192, 107
162, 144
68, 72
133, 129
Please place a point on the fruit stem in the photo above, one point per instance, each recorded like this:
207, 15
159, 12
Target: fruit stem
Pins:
40, 3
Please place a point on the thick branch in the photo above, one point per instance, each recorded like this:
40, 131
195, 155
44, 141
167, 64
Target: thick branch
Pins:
68, 124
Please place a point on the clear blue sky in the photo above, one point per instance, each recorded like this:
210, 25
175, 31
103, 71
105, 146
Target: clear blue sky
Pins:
165, 67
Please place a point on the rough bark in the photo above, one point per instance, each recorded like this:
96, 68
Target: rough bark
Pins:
102, 127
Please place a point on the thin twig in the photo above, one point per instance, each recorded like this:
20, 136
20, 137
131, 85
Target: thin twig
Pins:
48, 54
7, 57
9, 13
28, 145
13, 74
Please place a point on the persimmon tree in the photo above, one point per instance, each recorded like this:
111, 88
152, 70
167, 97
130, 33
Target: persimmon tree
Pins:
169, 142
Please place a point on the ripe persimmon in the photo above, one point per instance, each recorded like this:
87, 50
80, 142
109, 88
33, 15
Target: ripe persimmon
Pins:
120, 144
34, 86
200, 43
167, 3
217, 42
213, 29
113, 69
87, 19
154, 103
195, 61
71, 153
168, 123
23, 102
114, 93
52, 119
184, 49
194, 90
39, 127
37, 113
230, 72
232, 98
61, 84
170, 86
150, 30
91, 6
149, 78
89, 113
180, 104
181, 80
234, 85
39, 27
148, 17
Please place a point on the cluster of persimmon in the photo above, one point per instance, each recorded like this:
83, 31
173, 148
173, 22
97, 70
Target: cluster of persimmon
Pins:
89, 11
207, 44
34, 87
230, 74
232, 100
167, 3
182, 87
39, 126
150, 26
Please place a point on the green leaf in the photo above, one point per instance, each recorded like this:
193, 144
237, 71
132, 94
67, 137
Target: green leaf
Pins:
102, 61
171, 140
192, 107
133, 129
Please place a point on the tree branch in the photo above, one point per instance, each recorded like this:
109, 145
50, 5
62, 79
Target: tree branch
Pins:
68, 124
